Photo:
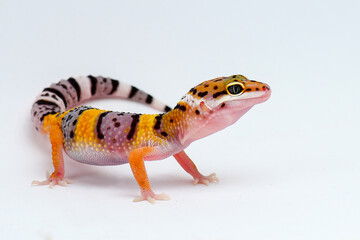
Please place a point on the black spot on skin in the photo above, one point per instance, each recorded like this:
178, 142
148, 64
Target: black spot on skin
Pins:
197, 112
48, 113
114, 119
223, 105
167, 109
54, 97
181, 107
171, 120
135, 121
117, 124
192, 90
57, 93
83, 110
164, 134
257, 89
93, 81
100, 136
46, 94
234, 76
75, 85
206, 85
215, 87
218, 80
98, 125
113, 140
252, 81
35, 113
108, 128
149, 99
219, 94
63, 86
158, 121
202, 94
71, 134
248, 89
44, 102
133, 91
120, 114
115, 85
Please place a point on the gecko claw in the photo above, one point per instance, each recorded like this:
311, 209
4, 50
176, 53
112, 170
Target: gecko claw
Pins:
206, 179
151, 197
51, 181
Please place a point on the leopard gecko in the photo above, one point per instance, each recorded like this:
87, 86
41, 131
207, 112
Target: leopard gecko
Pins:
98, 137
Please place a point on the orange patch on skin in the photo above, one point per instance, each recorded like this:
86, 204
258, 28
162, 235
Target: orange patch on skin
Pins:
52, 126
85, 127
136, 160
145, 130
56, 140
204, 89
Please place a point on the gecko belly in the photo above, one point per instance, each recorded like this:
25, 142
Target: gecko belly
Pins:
93, 156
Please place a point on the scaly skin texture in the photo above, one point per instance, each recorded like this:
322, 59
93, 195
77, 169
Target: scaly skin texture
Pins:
92, 136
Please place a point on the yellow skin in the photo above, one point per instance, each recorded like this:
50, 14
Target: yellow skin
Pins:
101, 137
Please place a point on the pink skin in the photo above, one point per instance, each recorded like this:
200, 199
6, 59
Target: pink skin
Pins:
187, 164
151, 197
219, 118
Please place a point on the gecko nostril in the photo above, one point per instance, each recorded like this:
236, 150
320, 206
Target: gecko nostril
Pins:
265, 88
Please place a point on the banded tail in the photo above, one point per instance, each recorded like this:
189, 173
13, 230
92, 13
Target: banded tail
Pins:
66, 94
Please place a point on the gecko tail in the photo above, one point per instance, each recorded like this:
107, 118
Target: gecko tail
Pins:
66, 94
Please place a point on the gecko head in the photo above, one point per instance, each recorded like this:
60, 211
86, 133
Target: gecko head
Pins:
242, 93
237, 92
220, 102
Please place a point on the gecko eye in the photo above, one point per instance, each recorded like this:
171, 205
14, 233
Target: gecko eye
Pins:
235, 89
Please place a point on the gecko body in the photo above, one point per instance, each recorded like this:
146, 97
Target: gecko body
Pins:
98, 137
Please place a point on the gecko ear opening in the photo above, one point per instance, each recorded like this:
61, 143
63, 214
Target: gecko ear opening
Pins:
204, 107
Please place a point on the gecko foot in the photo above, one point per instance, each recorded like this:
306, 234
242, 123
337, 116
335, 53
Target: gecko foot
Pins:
150, 196
52, 181
206, 179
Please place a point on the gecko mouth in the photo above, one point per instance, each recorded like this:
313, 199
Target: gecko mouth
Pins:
251, 100
265, 96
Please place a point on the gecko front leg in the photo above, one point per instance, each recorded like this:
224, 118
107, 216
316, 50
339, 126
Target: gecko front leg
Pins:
189, 166
136, 160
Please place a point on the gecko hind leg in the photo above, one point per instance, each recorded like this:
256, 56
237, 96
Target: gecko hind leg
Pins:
189, 166
57, 177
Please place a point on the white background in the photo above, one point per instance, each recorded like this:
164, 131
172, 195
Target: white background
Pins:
289, 169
